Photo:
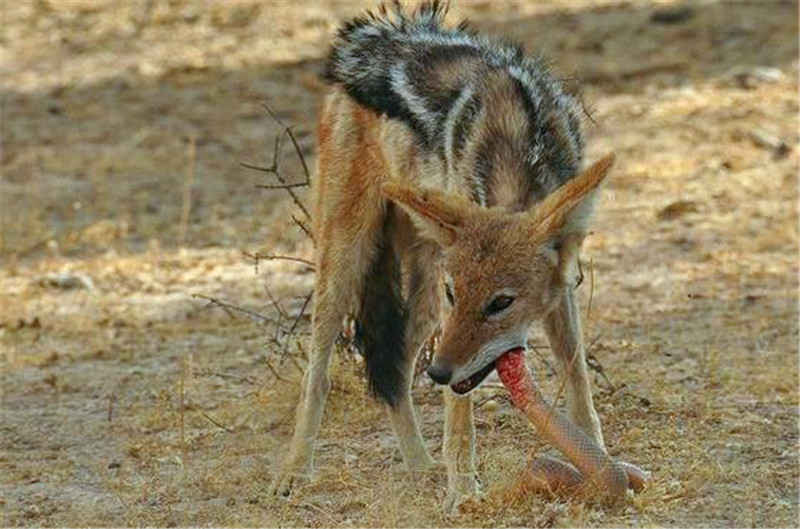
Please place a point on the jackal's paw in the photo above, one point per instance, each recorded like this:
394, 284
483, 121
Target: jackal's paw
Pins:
288, 479
463, 493
424, 468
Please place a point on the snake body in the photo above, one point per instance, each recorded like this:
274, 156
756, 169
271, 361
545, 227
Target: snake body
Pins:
595, 473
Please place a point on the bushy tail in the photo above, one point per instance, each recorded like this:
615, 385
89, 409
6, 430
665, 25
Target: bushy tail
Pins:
366, 47
382, 321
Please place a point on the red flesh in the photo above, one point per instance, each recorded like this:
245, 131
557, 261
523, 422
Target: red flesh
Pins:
590, 459
514, 374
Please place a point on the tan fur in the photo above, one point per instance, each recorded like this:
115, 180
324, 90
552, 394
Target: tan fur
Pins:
553, 213
506, 120
364, 162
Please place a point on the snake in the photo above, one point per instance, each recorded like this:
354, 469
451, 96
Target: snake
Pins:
592, 473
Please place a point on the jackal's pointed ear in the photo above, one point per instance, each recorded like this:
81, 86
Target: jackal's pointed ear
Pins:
439, 215
571, 203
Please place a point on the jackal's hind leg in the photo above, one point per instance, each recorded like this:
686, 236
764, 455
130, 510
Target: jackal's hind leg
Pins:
342, 260
327, 321
563, 328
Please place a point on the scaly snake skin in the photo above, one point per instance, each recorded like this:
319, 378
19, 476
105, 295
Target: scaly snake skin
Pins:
595, 474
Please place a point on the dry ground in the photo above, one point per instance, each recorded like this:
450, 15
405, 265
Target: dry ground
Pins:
128, 403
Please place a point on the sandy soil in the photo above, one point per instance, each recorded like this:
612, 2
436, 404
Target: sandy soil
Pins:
126, 401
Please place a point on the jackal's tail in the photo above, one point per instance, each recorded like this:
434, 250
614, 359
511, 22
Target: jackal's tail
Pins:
382, 320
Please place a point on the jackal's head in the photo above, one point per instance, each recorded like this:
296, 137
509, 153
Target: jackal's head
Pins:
504, 270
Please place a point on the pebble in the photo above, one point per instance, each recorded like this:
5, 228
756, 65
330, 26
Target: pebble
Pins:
672, 15
491, 405
66, 281
767, 141
749, 78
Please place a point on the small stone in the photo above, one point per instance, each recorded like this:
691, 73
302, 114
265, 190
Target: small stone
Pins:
749, 78
765, 140
66, 281
491, 405
677, 209
672, 15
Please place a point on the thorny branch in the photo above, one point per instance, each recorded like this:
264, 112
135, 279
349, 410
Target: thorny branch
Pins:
274, 168
275, 303
305, 229
288, 130
215, 422
281, 341
231, 308
276, 186
278, 308
294, 324
274, 372
228, 307
258, 257
594, 364
612, 389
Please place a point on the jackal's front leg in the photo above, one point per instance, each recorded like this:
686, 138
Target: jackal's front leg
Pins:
424, 300
459, 451
563, 327
412, 446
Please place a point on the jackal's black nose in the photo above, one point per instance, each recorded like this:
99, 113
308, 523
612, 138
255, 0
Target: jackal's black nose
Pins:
439, 374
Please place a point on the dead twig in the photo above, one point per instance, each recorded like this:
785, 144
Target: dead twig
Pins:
228, 376
593, 343
305, 229
276, 186
188, 184
295, 323
595, 365
274, 169
274, 372
214, 302
278, 307
254, 167
302, 351
280, 421
258, 257
278, 328
215, 422
294, 359
288, 130
112, 398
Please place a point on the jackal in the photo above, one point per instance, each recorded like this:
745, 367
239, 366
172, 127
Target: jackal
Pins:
448, 168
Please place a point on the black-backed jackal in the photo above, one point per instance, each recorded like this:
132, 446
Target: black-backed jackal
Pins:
448, 169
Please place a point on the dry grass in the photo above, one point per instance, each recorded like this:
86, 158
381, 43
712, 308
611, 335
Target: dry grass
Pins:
132, 404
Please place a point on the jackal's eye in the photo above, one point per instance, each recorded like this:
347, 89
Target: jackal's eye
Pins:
449, 293
498, 305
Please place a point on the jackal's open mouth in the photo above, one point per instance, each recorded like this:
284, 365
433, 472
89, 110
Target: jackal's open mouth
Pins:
473, 381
